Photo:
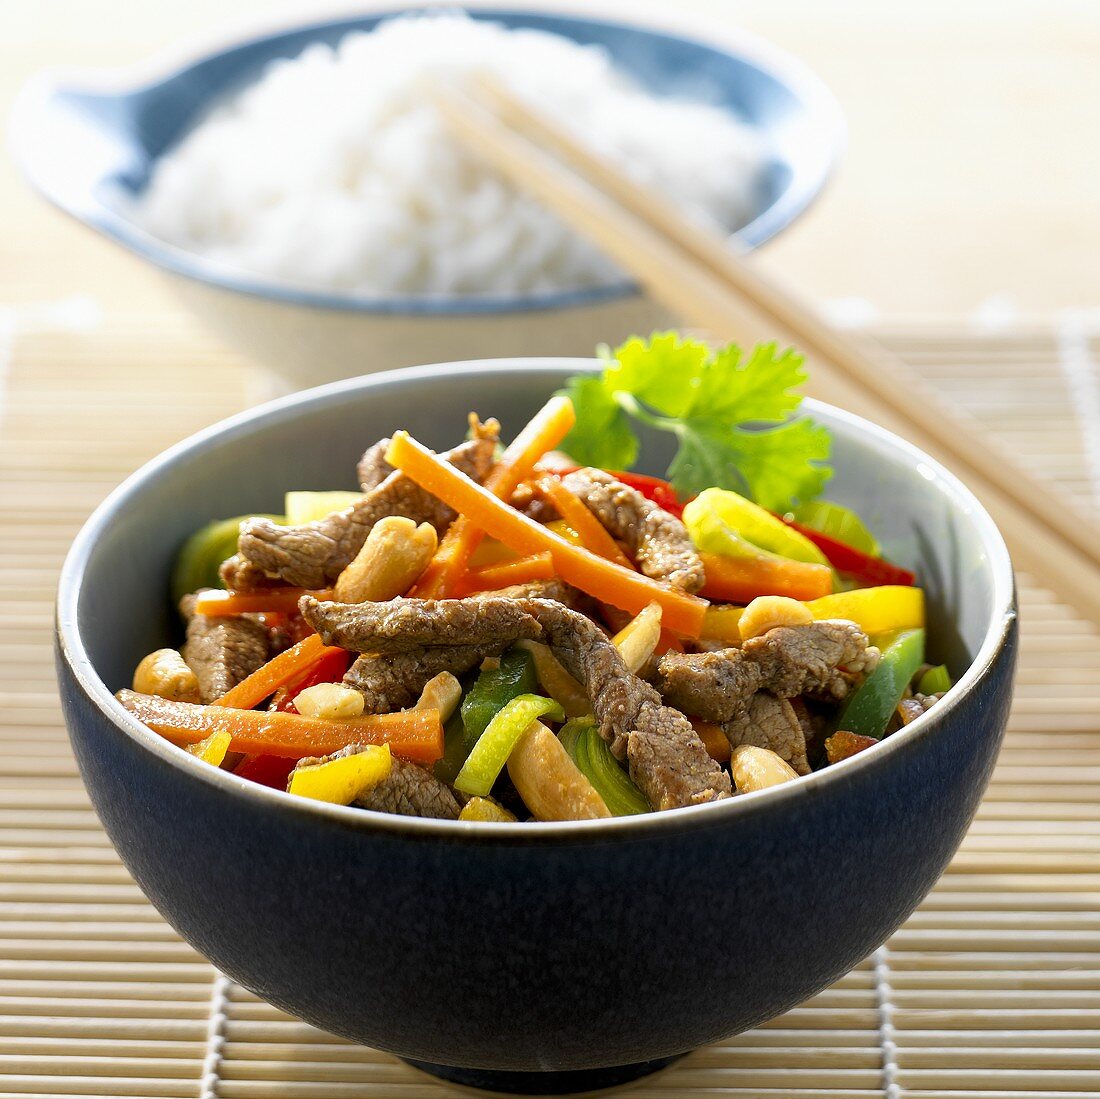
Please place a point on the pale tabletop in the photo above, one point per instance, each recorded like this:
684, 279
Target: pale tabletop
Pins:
972, 170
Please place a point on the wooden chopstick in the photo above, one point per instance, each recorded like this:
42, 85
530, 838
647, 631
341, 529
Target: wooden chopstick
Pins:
696, 274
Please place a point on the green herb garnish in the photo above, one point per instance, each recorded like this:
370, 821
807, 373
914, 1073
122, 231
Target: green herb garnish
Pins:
731, 414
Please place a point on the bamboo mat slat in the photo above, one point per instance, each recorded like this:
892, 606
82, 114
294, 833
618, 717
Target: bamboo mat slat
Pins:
990, 991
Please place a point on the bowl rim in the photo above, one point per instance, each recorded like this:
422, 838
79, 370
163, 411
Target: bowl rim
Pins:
819, 104
71, 646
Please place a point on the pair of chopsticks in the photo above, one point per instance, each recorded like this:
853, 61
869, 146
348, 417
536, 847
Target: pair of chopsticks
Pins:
700, 277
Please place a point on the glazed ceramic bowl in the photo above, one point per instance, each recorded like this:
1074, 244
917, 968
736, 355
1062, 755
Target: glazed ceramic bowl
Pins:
527, 957
89, 142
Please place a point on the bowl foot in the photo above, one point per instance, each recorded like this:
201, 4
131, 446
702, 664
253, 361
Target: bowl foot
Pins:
543, 1083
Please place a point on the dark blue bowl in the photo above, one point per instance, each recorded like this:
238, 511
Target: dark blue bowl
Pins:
529, 957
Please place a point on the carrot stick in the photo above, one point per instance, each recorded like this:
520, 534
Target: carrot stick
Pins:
412, 734
742, 579
218, 604
714, 740
276, 673
545, 430
539, 566
573, 510
602, 579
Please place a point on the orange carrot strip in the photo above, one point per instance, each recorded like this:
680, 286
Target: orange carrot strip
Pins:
714, 740
412, 734
742, 579
545, 430
603, 579
271, 601
276, 673
572, 509
539, 566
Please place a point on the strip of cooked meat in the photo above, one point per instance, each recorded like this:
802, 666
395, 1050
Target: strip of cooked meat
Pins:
657, 540
404, 625
823, 659
373, 468
411, 791
555, 589
771, 723
394, 681
314, 554
222, 651
240, 575
666, 758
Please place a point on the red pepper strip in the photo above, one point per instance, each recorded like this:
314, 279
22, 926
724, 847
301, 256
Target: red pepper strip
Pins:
270, 771
330, 669
853, 562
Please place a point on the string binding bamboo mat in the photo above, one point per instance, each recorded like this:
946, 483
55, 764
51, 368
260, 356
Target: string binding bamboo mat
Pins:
990, 991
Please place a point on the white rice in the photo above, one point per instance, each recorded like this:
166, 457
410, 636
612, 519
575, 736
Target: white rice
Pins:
335, 171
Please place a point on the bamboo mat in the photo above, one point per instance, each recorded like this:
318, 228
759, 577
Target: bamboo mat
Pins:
991, 990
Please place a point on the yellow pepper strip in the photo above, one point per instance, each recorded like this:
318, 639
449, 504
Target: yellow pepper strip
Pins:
723, 624
638, 638
485, 809
343, 779
211, 749
875, 610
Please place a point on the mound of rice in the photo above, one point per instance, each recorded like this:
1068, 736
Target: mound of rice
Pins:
335, 171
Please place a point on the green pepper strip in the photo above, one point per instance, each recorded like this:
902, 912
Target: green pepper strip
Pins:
935, 681
868, 711
493, 687
588, 750
495, 745
201, 555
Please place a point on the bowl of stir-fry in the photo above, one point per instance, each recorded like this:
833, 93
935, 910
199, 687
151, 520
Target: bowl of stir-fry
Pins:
539, 721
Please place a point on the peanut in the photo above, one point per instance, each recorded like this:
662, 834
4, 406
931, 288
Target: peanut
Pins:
550, 783
165, 673
768, 612
330, 701
638, 638
394, 555
758, 768
442, 692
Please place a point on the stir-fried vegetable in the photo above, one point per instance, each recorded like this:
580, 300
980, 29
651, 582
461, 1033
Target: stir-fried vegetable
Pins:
874, 610
742, 579
547, 428
854, 563
556, 681
487, 810
935, 681
836, 522
305, 507
603, 579
723, 522
412, 734
582, 740
637, 640
730, 415
343, 779
589, 529
489, 755
513, 675
868, 711
288, 666
201, 555
224, 604
521, 570
211, 749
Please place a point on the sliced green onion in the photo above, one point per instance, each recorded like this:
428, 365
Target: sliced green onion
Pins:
200, 557
838, 522
589, 751
935, 681
494, 746
868, 711
306, 507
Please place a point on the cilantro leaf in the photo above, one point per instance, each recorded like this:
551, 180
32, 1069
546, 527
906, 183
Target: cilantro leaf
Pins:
602, 435
662, 373
730, 413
